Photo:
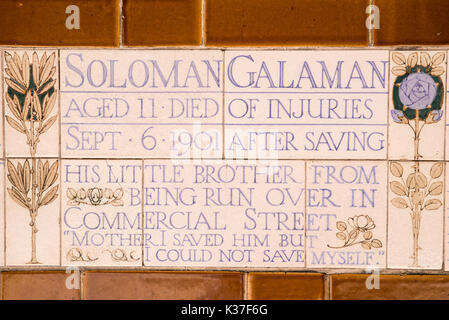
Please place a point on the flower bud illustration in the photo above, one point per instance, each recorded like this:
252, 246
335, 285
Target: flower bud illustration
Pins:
108, 193
357, 231
81, 194
31, 99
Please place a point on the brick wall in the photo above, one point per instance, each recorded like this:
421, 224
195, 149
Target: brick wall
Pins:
218, 24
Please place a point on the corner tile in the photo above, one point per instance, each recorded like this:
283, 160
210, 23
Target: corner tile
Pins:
285, 286
32, 212
415, 215
224, 214
417, 105
389, 287
2, 213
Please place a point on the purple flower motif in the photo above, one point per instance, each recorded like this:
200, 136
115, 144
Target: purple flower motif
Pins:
417, 91
397, 115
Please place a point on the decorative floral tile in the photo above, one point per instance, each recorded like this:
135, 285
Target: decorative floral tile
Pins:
417, 104
346, 214
415, 215
32, 212
224, 213
141, 103
102, 212
31, 103
304, 105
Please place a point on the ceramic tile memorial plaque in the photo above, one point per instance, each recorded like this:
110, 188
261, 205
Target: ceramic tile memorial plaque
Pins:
2, 214
346, 214
101, 212
224, 214
231, 159
415, 215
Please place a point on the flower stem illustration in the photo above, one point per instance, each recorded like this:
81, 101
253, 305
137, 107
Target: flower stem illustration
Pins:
31, 98
360, 232
417, 98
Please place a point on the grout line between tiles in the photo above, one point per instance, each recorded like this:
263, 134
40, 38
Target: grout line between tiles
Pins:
223, 154
387, 225
3, 191
444, 216
203, 23
326, 285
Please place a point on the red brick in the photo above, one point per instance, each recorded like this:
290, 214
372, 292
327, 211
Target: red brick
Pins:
163, 285
286, 23
37, 285
42, 23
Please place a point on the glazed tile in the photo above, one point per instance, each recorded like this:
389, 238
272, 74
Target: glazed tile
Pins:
149, 104
32, 213
37, 285
415, 215
224, 214
417, 104
346, 214
101, 212
297, 104
53, 23
160, 285
31, 83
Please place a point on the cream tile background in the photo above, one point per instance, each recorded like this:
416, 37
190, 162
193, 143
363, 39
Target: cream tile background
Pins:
2, 214
256, 80
18, 231
401, 145
175, 136
215, 206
